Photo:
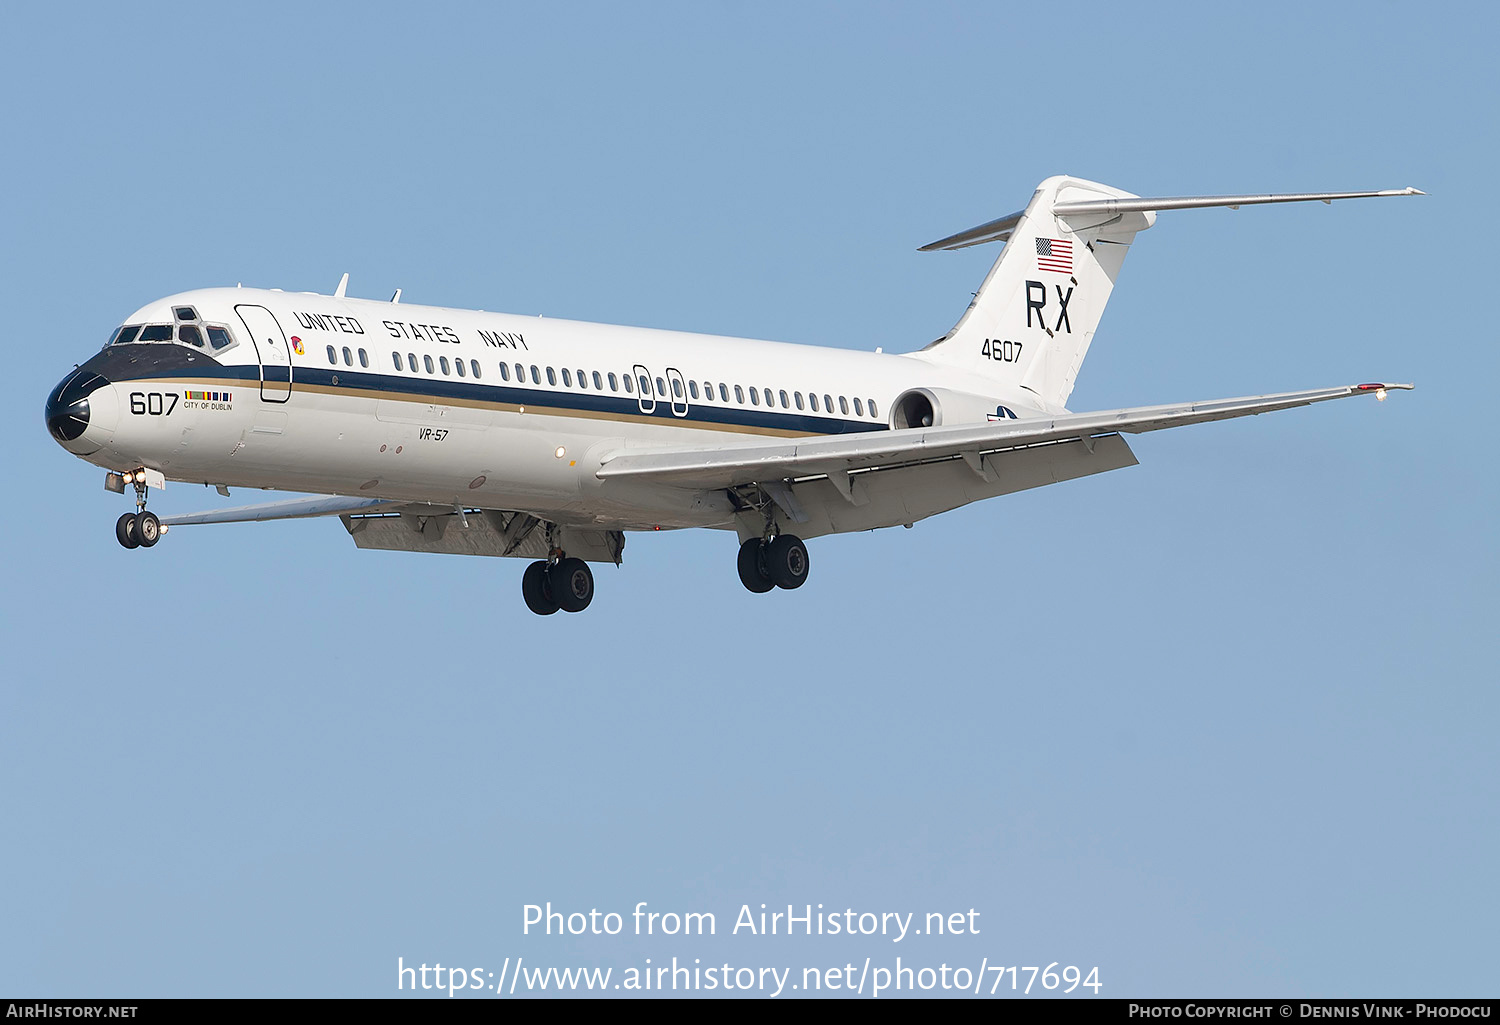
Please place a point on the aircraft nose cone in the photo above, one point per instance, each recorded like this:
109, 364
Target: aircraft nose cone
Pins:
68, 407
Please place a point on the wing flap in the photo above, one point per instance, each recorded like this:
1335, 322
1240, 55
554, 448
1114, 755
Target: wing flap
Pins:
833, 454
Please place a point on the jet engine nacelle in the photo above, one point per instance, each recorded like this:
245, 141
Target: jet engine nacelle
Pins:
937, 407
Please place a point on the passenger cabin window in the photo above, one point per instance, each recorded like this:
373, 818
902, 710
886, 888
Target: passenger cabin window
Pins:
396, 359
784, 403
843, 405
739, 395
458, 365
612, 383
645, 383
427, 362
218, 337
583, 380
724, 392
597, 382
551, 377
190, 334
333, 357
692, 388
798, 397
754, 397
520, 374
872, 408
411, 361
661, 387
812, 400
504, 372
629, 387
364, 359
156, 333
828, 402
443, 362
348, 357
536, 375
859, 408
474, 366
567, 378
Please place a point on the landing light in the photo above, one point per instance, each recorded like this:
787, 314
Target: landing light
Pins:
140, 476
561, 451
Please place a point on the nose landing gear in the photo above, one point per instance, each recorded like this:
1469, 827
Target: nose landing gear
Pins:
140, 529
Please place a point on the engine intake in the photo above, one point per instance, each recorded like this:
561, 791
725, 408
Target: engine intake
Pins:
916, 408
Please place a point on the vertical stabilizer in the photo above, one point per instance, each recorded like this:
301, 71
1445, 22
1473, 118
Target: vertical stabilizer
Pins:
1031, 322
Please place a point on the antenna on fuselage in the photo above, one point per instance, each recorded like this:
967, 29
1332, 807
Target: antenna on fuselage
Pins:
397, 297
338, 293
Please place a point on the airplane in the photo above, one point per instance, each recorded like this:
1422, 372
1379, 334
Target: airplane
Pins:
465, 432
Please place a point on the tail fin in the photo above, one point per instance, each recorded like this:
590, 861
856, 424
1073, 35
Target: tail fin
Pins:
1031, 322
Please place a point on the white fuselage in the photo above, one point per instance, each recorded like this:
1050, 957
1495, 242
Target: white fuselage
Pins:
345, 396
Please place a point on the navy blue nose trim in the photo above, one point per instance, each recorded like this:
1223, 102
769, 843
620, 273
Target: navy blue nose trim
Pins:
67, 409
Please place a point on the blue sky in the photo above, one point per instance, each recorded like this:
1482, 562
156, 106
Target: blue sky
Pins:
1222, 723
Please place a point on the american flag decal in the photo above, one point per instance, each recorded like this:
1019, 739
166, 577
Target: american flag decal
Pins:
1054, 254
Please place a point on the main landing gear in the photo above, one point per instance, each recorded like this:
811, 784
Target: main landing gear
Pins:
557, 582
140, 529
778, 562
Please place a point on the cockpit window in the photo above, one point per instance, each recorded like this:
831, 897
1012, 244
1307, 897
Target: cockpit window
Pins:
125, 335
156, 333
219, 338
189, 334
184, 313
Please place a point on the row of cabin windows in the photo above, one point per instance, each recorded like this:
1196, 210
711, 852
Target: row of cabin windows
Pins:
633, 380
458, 366
333, 357
441, 364
628, 381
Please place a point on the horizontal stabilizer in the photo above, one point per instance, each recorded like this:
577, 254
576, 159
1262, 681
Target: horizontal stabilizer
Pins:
1000, 229
1141, 204
997, 230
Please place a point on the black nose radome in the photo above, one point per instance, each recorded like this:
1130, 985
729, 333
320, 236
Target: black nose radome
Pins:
68, 405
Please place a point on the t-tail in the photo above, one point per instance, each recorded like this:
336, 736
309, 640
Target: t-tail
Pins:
1032, 321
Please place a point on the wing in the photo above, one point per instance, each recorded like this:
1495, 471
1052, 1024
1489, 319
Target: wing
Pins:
416, 527
287, 509
837, 456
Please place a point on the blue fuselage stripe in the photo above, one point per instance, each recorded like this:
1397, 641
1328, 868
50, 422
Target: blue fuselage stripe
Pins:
419, 388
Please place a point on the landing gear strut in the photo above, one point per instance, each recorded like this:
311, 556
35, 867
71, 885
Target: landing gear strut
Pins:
778, 562
557, 582
140, 529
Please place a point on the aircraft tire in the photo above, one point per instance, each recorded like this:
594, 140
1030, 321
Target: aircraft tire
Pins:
752, 566
125, 531
147, 529
572, 584
786, 561
536, 591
